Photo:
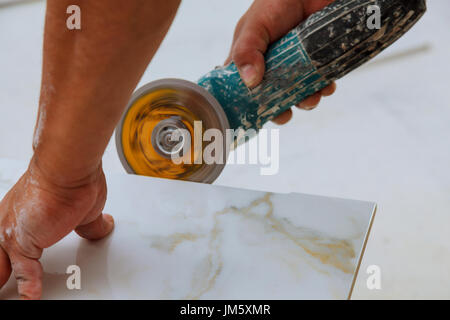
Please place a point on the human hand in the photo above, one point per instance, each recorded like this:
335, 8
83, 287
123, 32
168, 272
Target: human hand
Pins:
265, 22
36, 213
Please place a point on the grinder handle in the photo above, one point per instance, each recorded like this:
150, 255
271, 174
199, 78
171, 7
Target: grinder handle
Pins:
325, 47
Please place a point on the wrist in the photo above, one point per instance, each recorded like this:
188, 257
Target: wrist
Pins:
58, 175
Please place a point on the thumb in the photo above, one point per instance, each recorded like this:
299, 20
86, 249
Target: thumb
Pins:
28, 273
248, 52
97, 229
5, 267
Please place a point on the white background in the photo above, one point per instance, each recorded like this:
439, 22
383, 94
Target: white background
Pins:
384, 136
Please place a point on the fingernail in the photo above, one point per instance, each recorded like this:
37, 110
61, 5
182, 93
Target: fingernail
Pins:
248, 75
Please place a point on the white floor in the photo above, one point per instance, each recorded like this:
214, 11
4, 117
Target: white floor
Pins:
384, 136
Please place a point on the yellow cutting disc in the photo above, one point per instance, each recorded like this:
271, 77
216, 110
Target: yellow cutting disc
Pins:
144, 137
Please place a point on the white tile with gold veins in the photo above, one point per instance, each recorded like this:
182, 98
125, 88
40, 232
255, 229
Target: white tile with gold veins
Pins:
180, 240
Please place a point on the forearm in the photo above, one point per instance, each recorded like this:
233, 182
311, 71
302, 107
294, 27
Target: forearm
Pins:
88, 76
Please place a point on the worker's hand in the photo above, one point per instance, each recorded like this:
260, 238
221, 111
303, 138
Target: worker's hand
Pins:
36, 213
265, 22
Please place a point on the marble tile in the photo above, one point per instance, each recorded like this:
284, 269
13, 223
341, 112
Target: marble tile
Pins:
180, 240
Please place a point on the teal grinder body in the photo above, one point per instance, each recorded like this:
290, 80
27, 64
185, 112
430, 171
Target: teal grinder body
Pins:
324, 48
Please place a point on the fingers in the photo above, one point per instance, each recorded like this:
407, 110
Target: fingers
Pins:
313, 6
313, 101
308, 104
248, 52
97, 229
5, 267
250, 63
283, 118
28, 273
328, 91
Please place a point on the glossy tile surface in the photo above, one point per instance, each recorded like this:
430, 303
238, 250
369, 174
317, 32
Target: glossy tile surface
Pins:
179, 240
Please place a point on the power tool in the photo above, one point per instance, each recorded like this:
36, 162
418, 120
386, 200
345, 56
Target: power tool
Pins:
325, 47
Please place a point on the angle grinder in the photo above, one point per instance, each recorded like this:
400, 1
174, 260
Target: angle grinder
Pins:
323, 48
